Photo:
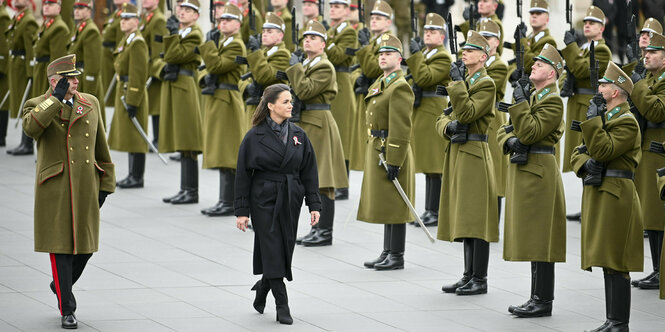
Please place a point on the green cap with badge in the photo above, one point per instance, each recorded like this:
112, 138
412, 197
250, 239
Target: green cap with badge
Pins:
390, 43
657, 42
475, 41
595, 14
616, 76
551, 56
64, 66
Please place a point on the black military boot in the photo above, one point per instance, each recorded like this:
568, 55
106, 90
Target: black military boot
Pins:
468, 268
512, 308
262, 287
136, 170
221, 194
227, 180
4, 122
499, 198
324, 234
190, 194
281, 301
25, 148
478, 283
617, 302
543, 295
68, 322
432, 201
574, 217
183, 184
655, 245
312, 233
342, 194
387, 228
395, 258
155, 130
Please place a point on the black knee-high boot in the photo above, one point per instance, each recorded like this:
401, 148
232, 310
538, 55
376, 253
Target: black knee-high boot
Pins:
281, 301
428, 189
342, 194
512, 308
155, 130
432, 200
190, 193
478, 282
224, 206
183, 183
136, 169
468, 268
395, 259
25, 148
262, 287
617, 302
543, 294
386, 247
652, 281
4, 123
324, 234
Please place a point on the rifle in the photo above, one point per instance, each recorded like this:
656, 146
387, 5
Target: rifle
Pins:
294, 29
414, 20
472, 15
322, 12
361, 12
169, 6
212, 12
633, 37
569, 83
252, 19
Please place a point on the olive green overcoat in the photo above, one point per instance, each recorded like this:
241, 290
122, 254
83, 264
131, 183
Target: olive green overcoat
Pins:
20, 34
661, 190
50, 45
532, 45
86, 43
314, 83
612, 233
649, 98
535, 227
389, 107
245, 31
497, 70
468, 205
73, 166
153, 29
429, 68
131, 61
224, 119
111, 36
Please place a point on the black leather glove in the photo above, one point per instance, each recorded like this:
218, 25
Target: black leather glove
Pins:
596, 106
213, 35
102, 197
251, 89
170, 72
569, 37
173, 25
593, 166
515, 145
415, 45
466, 14
507, 44
294, 59
364, 36
635, 76
457, 69
520, 31
451, 128
280, 75
61, 88
393, 172
254, 43
519, 94
131, 110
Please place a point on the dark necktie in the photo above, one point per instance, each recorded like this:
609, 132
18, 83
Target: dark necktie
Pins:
69, 103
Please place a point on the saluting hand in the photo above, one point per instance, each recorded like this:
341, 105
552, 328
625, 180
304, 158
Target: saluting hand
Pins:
316, 215
242, 222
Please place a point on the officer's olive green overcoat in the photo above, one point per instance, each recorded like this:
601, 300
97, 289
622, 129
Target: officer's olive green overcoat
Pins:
535, 227
577, 60
612, 233
429, 69
111, 36
649, 98
314, 83
180, 117
224, 119
73, 166
20, 34
131, 61
86, 43
389, 107
153, 29
497, 70
468, 204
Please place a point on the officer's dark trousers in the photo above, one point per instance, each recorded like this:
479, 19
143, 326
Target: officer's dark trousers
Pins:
66, 270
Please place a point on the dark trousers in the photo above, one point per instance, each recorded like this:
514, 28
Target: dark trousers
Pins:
66, 270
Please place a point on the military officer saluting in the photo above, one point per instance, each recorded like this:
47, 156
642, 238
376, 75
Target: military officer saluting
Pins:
535, 228
153, 29
468, 208
73, 160
648, 96
389, 107
279, 7
313, 82
611, 214
20, 34
224, 119
180, 117
111, 36
86, 43
429, 64
131, 97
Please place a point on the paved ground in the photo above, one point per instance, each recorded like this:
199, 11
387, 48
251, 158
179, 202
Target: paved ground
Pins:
162, 267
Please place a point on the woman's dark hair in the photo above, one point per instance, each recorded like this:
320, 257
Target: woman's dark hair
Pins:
270, 95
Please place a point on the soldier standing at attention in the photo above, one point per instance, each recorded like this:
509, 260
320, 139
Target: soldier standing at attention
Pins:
224, 119
468, 191
637, 64
111, 36
50, 44
389, 110
4, 73
342, 36
535, 228
279, 7
86, 44
313, 82
577, 61
180, 115
486, 9
611, 213
310, 11
68, 8
73, 160
20, 34
648, 97
131, 97
429, 65
153, 29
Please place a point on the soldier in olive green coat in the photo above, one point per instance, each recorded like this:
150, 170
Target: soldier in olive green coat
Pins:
612, 217
280, 8
111, 36
487, 11
131, 97
86, 44
313, 82
245, 29
224, 119
50, 44
535, 228
153, 29
4, 74
468, 192
429, 65
636, 58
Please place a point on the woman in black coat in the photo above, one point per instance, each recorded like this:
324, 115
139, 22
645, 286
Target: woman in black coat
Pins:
276, 169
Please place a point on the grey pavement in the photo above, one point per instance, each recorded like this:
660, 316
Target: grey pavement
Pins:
168, 268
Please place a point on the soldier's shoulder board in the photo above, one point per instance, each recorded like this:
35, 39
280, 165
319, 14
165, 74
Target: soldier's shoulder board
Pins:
341, 27
272, 51
228, 41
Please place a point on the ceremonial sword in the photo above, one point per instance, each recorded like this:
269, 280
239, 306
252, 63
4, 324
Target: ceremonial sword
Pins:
143, 135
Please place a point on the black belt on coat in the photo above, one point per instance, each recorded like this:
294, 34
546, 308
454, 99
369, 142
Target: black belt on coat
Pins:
342, 69
476, 137
379, 133
619, 173
316, 107
542, 150
585, 91
123, 78
431, 94
17, 52
79, 64
108, 44
288, 180
43, 58
224, 86
656, 125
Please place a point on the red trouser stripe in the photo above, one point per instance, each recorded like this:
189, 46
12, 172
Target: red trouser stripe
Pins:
56, 281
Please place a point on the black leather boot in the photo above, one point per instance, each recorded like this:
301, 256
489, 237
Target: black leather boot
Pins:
155, 130
655, 245
4, 123
433, 200
387, 228
324, 234
262, 287
395, 258
541, 301
183, 184
478, 283
574, 217
136, 170
190, 194
25, 148
468, 268
428, 189
617, 302
224, 207
499, 198
342, 194
512, 308
69, 322
281, 301
312, 232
